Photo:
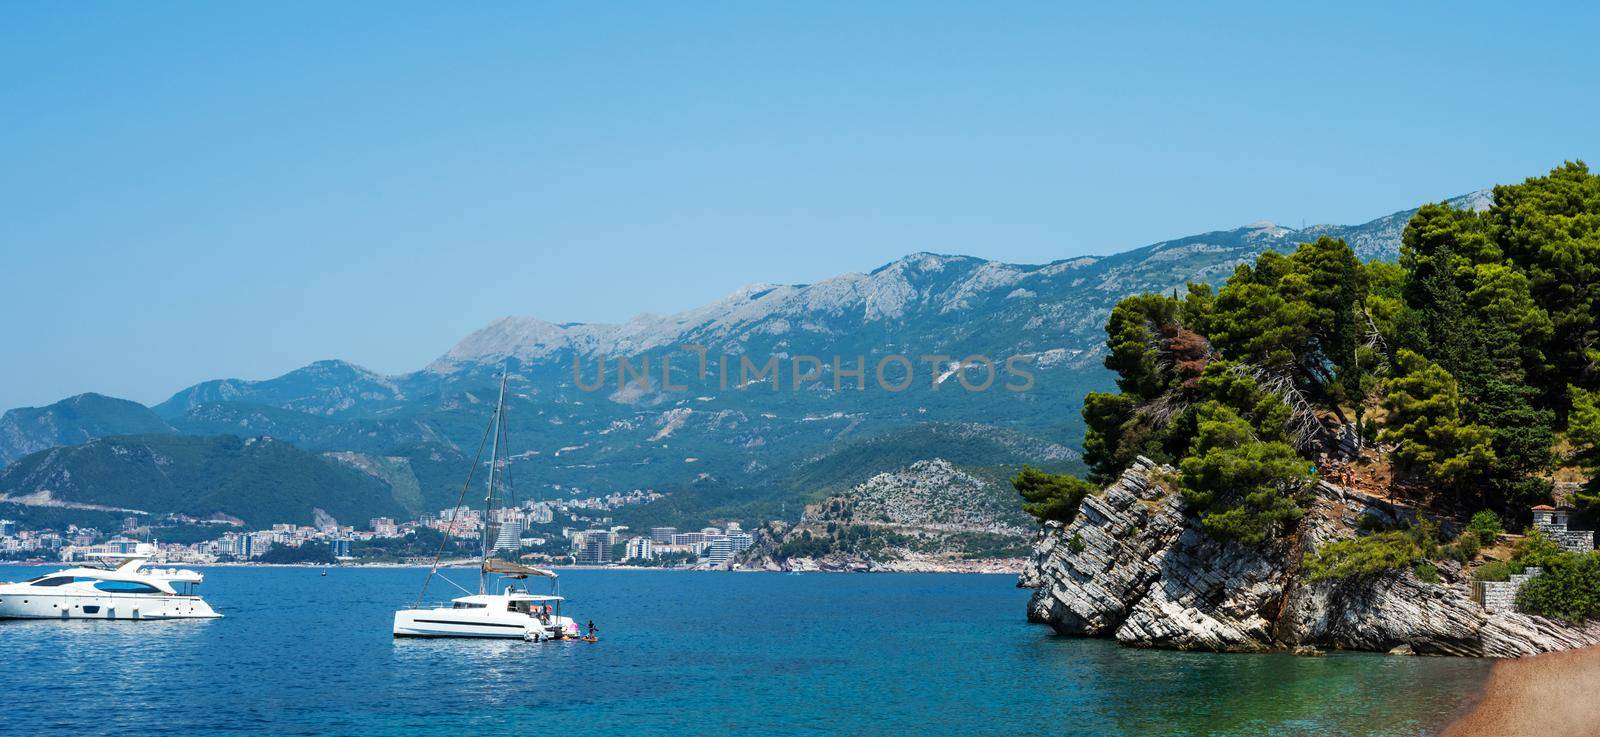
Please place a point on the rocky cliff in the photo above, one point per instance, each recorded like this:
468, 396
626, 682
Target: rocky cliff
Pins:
929, 516
1134, 566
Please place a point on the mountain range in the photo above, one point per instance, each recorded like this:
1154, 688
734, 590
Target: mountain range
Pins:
716, 449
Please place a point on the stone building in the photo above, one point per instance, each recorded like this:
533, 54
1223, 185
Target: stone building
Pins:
1501, 596
1553, 523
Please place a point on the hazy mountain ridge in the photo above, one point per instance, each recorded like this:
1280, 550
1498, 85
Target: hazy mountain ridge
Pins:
918, 285
257, 480
71, 421
309, 431
331, 388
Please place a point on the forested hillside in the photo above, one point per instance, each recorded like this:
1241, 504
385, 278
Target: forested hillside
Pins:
1460, 379
259, 481
1466, 359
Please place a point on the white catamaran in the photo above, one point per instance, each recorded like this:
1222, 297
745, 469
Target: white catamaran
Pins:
505, 609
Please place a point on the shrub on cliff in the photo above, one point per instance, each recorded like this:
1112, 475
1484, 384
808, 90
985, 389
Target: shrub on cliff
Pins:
1362, 556
864, 540
1464, 549
1495, 570
1569, 586
1538, 550
1486, 526
1051, 496
1481, 531
1568, 589
804, 545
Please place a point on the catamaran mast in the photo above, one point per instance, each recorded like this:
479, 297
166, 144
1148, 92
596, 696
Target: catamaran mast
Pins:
488, 497
493, 427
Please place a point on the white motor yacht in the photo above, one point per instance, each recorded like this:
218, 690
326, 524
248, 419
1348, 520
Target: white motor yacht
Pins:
126, 591
511, 613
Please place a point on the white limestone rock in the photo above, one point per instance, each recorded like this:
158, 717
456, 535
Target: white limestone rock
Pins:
1141, 571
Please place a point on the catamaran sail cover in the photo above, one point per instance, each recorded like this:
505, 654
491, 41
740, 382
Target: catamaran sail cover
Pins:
518, 570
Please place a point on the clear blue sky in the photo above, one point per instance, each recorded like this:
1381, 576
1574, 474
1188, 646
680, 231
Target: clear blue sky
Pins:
193, 191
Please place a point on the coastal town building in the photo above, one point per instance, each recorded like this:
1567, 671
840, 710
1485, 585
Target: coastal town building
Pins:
540, 513
640, 548
718, 551
689, 538
664, 549
236, 545
595, 549
509, 536
604, 537
116, 546
512, 529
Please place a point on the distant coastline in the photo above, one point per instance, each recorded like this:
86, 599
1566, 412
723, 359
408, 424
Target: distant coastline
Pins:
1003, 569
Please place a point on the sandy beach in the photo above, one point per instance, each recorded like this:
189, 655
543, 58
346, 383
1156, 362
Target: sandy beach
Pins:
1552, 695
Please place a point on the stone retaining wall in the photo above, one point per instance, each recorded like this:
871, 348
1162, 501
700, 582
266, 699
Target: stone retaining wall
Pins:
1501, 596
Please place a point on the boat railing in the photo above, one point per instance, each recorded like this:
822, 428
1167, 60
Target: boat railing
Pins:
452, 605
445, 604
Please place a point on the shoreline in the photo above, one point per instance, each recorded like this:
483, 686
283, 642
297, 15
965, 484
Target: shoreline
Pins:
998, 571
1547, 695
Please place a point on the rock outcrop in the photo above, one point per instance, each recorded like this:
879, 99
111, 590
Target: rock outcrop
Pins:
929, 516
1134, 565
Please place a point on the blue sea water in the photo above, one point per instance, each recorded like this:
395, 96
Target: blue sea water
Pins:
680, 653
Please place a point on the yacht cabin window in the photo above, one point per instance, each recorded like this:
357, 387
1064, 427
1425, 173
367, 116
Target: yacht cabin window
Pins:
127, 587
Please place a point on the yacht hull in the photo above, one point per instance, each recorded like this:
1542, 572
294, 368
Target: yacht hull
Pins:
477, 623
34, 605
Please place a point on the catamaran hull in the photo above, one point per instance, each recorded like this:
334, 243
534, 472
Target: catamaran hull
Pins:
441, 623
50, 606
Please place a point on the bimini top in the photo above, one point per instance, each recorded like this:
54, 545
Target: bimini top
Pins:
515, 570
508, 596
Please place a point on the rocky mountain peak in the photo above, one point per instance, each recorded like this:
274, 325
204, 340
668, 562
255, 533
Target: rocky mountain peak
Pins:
1476, 201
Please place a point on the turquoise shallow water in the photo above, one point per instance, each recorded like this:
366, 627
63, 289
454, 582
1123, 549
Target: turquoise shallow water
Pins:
681, 653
